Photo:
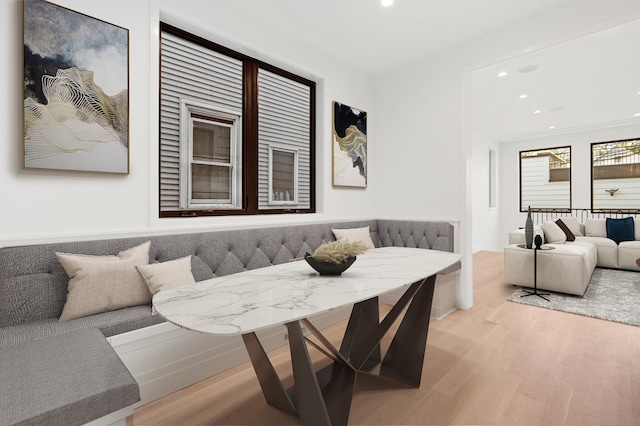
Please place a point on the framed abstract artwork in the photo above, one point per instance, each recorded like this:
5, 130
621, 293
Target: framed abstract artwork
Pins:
76, 91
349, 145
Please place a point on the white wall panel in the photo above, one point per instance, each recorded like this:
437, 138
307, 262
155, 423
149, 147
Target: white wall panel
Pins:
39, 205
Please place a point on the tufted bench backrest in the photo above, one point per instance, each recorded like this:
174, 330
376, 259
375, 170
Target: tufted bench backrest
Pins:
33, 284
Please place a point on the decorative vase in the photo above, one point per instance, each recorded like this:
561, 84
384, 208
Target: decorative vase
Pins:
528, 230
326, 268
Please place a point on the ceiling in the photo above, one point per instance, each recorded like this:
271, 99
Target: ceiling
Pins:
377, 39
589, 82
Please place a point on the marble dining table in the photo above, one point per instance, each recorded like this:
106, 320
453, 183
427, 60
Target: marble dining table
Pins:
288, 294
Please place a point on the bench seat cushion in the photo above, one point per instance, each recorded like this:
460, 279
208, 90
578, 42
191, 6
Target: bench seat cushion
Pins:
110, 323
70, 379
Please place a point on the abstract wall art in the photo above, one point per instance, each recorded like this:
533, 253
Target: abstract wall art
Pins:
349, 145
76, 91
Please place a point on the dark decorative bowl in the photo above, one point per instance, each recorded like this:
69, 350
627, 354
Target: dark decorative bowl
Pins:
327, 268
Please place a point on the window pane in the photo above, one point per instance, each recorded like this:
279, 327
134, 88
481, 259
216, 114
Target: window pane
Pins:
283, 172
211, 182
211, 142
615, 175
284, 123
545, 179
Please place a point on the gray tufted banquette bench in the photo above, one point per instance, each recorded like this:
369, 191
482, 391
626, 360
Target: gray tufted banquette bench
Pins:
33, 289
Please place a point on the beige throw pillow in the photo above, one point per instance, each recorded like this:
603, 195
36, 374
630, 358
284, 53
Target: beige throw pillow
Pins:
167, 275
355, 234
553, 233
104, 283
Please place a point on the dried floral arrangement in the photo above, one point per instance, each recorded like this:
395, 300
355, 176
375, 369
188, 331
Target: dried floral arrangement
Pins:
338, 251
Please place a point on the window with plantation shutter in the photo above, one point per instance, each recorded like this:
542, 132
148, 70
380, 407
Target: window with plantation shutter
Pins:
237, 135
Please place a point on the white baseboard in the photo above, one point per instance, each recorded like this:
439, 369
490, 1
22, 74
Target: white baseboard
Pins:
164, 358
117, 418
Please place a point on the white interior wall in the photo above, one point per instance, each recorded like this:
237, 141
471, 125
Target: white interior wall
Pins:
426, 108
49, 205
580, 143
419, 133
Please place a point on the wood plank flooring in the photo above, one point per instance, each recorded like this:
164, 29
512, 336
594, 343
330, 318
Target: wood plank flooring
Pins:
498, 363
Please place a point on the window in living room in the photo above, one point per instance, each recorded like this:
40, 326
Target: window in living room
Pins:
545, 179
237, 135
615, 176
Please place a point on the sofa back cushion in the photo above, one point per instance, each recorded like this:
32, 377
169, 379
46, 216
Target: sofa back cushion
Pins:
595, 227
33, 284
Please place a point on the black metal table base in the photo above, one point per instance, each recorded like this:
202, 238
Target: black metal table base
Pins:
535, 293
324, 397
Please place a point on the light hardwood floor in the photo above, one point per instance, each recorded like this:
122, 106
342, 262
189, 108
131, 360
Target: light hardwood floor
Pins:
499, 363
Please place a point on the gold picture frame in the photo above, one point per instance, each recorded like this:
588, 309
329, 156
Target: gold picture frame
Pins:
349, 146
76, 91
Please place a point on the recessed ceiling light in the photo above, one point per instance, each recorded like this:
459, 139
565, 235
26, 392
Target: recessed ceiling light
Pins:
537, 111
524, 95
552, 127
528, 68
386, 3
502, 73
637, 114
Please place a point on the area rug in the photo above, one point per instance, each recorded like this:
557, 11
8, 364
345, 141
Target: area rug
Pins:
612, 295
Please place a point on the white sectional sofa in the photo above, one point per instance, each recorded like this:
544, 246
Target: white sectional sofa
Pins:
568, 267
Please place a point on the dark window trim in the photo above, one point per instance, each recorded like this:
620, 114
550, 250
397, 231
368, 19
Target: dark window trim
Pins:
593, 177
523, 209
249, 132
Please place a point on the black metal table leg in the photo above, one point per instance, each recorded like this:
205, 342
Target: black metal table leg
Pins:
535, 279
324, 398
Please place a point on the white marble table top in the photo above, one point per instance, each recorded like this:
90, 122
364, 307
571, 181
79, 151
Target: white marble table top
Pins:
252, 300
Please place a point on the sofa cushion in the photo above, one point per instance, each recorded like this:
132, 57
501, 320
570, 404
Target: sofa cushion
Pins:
517, 236
607, 250
104, 283
109, 323
570, 235
620, 229
354, 234
167, 275
628, 254
595, 227
71, 379
553, 233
